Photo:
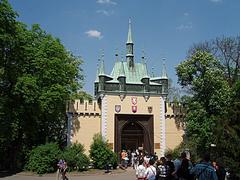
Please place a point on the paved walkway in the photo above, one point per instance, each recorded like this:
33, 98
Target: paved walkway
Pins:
129, 174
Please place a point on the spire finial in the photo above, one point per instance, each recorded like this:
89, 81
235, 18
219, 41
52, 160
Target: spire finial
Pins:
129, 40
164, 71
116, 54
143, 56
102, 54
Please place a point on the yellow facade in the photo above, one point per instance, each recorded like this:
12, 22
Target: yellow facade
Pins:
92, 118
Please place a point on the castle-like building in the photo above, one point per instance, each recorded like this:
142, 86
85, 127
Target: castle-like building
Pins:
129, 109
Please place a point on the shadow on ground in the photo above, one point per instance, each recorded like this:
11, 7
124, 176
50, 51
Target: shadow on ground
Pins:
6, 173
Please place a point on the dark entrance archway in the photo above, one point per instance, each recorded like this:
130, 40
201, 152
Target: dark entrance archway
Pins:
132, 136
133, 131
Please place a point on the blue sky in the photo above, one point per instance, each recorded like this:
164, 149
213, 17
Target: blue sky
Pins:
163, 28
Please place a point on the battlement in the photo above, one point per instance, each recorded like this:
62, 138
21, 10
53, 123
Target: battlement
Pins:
83, 107
174, 110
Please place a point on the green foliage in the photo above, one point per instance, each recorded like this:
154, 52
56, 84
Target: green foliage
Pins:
211, 95
38, 75
43, 159
212, 111
82, 96
75, 157
101, 154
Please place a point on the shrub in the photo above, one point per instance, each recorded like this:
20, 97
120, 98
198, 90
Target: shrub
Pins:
75, 157
101, 154
43, 159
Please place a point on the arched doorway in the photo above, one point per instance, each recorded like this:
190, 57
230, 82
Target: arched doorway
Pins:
132, 136
133, 131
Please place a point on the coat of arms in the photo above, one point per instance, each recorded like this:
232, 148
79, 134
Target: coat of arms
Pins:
134, 109
150, 109
134, 100
117, 108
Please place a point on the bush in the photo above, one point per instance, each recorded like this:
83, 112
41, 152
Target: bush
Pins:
101, 154
75, 157
43, 159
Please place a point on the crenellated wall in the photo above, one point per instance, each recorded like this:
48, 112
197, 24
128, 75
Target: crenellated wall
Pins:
87, 121
174, 126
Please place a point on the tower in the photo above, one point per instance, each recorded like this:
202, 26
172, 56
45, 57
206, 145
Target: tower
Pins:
129, 46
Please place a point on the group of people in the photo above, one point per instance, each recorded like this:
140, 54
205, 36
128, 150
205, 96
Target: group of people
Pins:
132, 158
150, 168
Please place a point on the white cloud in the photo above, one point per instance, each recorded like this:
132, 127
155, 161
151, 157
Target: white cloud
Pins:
104, 12
106, 2
186, 14
94, 34
216, 1
187, 26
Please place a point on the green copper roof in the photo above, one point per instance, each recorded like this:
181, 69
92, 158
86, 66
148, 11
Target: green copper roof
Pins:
129, 40
133, 75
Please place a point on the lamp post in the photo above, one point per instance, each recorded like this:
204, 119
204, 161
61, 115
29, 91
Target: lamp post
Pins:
212, 147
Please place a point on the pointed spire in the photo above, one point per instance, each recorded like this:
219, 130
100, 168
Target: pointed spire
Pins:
101, 68
122, 56
164, 71
129, 46
153, 75
97, 79
129, 40
143, 57
122, 71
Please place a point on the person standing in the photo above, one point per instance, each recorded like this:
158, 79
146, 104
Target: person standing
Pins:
177, 163
162, 169
150, 173
171, 166
204, 169
123, 158
140, 171
183, 172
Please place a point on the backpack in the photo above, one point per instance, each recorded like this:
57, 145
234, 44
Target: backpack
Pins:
141, 173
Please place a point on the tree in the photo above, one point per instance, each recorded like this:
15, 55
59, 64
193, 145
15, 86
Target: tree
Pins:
209, 111
101, 154
202, 74
227, 51
82, 96
37, 76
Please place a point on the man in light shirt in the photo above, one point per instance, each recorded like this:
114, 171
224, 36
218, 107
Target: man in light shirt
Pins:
150, 173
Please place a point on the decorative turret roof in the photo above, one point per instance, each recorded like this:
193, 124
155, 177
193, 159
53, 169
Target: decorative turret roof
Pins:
144, 64
164, 71
102, 68
122, 71
97, 74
